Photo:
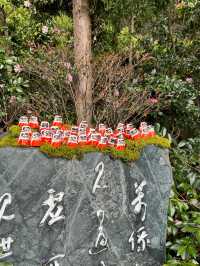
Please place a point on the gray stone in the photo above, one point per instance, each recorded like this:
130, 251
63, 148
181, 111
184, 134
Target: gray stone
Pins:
28, 174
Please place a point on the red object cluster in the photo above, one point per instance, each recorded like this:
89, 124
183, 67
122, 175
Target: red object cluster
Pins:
57, 134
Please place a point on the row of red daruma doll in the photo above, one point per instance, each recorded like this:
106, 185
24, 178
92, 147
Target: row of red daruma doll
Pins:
57, 134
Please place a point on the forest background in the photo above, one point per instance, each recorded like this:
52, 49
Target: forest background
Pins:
144, 65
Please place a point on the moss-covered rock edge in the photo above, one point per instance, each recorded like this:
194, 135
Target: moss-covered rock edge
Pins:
131, 153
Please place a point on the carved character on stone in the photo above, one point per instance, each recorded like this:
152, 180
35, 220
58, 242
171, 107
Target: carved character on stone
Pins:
5, 200
99, 169
137, 202
54, 260
5, 246
101, 243
55, 210
142, 240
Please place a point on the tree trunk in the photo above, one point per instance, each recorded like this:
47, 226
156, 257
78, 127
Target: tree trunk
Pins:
83, 56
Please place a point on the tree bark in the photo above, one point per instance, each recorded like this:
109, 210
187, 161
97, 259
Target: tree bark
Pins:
83, 56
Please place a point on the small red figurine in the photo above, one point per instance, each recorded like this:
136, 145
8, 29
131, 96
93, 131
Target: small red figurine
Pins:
145, 133
120, 125
23, 121
151, 130
91, 131
94, 138
120, 145
129, 126
143, 125
119, 135
54, 129
27, 129
83, 124
127, 133
108, 132
56, 140
66, 134
44, 125
112, 141
102, 129
36, 140
72, 141
33, 122
103, 142
82, 139
57, 121
135, 134
46, 136
74, 130
24, 139
82, 131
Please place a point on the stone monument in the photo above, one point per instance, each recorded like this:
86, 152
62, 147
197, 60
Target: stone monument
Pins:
93, 212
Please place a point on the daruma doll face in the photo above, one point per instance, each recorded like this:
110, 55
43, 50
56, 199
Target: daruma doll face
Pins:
44, 125
57, 120
24, 139
35, 139
56, 140
33, 122
23, 121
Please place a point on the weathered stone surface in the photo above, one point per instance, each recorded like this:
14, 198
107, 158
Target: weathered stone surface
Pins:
28, 174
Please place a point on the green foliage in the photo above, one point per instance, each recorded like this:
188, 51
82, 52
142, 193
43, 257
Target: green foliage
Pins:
62, 27
12, 85
14, 131
180, 98
131, 153
184, 216
126, 40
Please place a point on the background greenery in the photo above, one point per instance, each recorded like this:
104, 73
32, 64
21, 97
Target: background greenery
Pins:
146, 63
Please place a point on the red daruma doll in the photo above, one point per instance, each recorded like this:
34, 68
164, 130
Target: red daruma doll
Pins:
24, 139
102, 129
54, 129
145, 133
66, 134
129, 126
36, 140
135, 134
44, 125
94, 138
82, 131
151, 131
72, 141
74, 130
33, 122
142, 126
112, 141
103, 142
57, 121
27, 129
46, 136
23, 121
120, 145
83, 124
56, 140
82, 139
108, 132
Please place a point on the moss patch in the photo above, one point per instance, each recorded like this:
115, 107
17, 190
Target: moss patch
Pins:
131, 153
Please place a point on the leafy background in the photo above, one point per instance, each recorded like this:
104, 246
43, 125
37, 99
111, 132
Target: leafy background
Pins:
146, 62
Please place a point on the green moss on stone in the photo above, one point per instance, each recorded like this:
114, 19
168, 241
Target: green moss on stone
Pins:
131, 153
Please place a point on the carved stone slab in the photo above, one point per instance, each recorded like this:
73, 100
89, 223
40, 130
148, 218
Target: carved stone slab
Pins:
98, 200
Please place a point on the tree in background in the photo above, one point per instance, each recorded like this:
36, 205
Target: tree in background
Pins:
83, 57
